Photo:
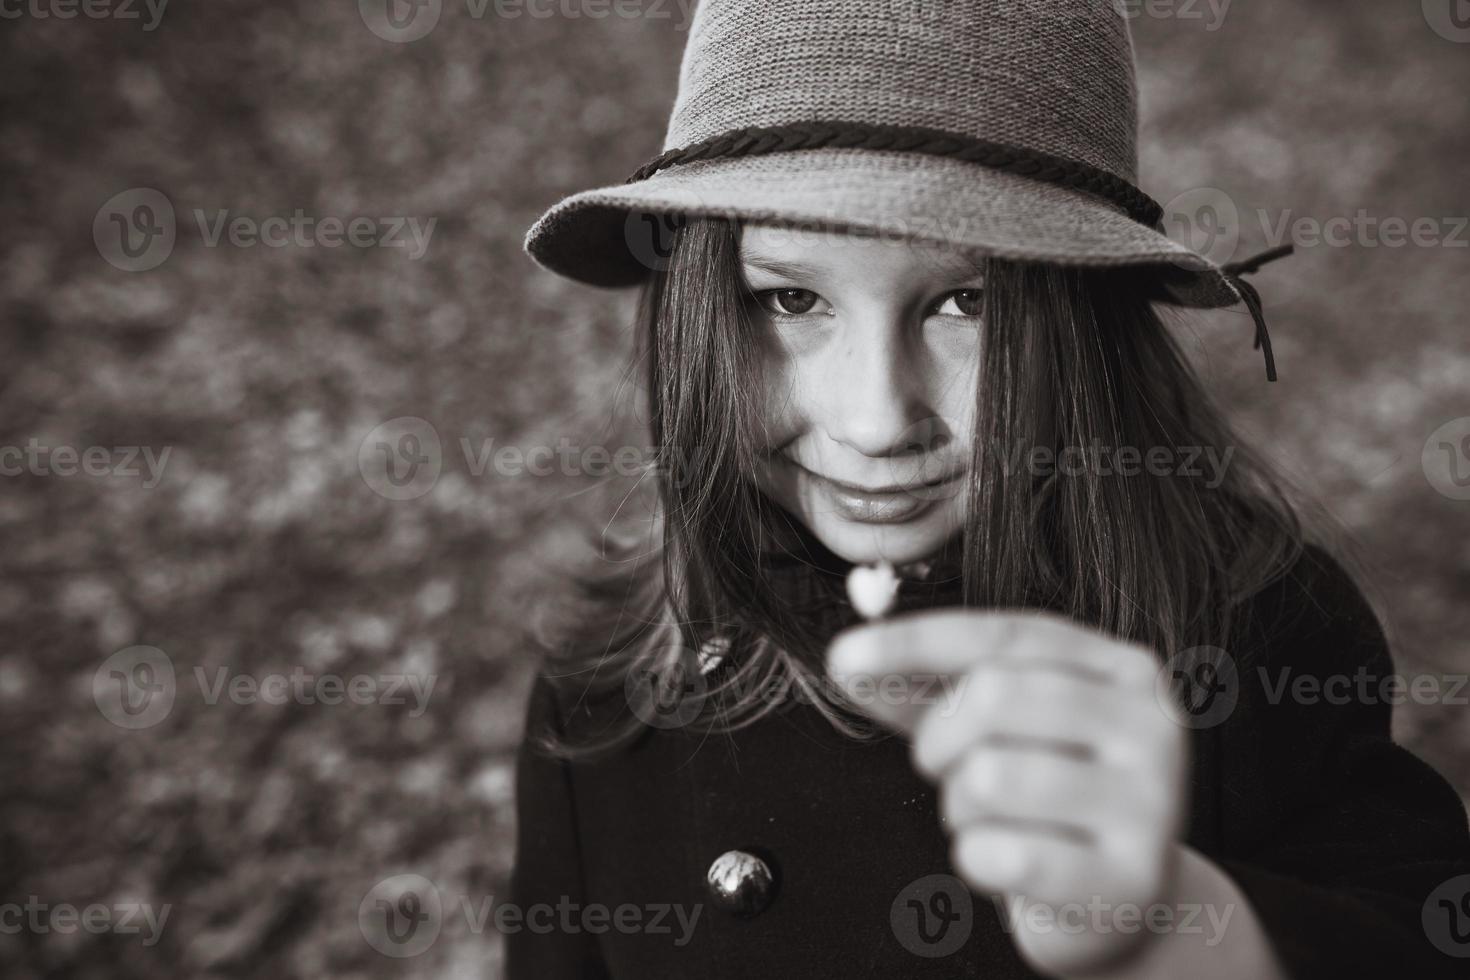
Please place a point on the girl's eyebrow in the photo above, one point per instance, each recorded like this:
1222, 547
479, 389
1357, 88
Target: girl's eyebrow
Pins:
791, 270
800, 270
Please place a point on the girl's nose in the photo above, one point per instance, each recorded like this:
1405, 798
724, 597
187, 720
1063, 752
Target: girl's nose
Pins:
874, 392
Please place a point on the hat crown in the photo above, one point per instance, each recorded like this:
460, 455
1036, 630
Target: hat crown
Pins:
1055, 76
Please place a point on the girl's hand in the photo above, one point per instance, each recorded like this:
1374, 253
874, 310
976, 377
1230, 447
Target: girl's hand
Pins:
1062, 774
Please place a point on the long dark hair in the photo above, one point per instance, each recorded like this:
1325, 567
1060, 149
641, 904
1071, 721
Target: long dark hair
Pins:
1072, 357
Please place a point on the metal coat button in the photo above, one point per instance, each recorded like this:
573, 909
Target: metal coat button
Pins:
741, 883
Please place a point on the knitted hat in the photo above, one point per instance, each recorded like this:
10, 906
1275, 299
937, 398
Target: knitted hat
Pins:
1008, 128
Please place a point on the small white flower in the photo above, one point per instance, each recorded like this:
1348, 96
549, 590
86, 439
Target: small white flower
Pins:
872, 588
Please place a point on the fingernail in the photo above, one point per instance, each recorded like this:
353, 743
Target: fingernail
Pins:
847, 655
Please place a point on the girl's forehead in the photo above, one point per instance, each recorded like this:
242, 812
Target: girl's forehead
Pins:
809, 249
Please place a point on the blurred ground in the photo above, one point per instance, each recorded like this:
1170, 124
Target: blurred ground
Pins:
262, 548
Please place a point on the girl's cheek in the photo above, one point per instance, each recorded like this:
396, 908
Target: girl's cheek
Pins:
797, 374
953, 367
781, 410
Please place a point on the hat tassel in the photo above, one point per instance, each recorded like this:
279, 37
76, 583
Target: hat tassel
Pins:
1252, 296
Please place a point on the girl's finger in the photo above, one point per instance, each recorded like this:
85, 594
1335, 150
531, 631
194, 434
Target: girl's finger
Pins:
930, 641
1069, 713
953, 640
900, 700
1037, 786
1050, 868
1007, 859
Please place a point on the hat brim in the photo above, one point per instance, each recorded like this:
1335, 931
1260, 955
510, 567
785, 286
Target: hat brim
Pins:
606, 236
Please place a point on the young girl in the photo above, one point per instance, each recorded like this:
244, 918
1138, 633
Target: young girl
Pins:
904, 313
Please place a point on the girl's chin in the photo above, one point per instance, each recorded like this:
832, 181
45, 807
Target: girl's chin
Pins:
870, 543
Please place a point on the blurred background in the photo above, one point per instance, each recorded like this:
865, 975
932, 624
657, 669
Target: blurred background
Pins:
195, 501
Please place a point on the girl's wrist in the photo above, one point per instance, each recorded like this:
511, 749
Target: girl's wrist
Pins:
1212, 931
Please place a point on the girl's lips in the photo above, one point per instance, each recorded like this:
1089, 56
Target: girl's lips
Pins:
892, 504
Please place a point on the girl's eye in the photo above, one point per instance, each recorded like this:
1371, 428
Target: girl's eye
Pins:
799, 302
787, 302
965, 302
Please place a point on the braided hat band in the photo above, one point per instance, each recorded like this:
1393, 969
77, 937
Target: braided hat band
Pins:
757, 140
1007, 128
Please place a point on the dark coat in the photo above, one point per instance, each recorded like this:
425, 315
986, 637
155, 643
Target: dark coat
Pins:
1336, 835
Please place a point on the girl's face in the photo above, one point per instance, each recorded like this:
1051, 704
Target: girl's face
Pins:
869, 366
